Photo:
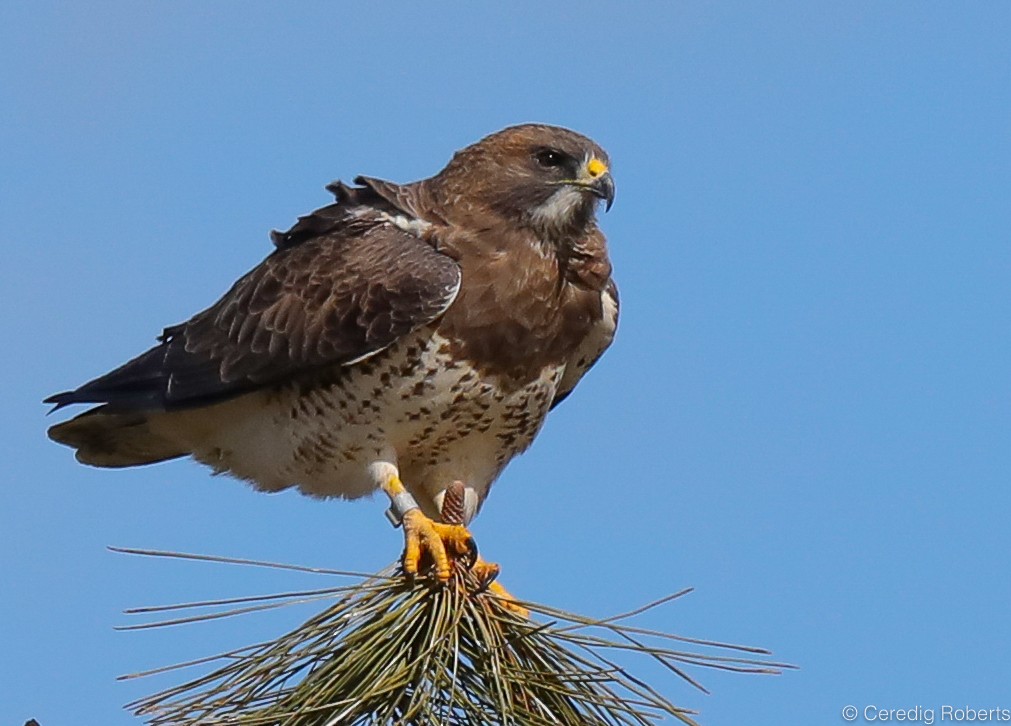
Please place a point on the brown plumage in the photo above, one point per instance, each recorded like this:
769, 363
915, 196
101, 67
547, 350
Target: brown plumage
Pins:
421, 330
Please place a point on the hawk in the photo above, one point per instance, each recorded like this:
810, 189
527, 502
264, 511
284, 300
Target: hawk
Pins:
405, 338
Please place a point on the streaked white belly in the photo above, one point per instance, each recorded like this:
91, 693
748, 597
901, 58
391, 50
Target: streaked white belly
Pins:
441, 421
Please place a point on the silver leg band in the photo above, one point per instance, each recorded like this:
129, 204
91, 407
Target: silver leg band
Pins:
400, 504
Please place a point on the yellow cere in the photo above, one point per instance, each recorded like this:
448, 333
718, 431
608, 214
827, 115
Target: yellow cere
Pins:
596, 167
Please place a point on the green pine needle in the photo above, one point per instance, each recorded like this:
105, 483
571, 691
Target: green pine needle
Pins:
398, 650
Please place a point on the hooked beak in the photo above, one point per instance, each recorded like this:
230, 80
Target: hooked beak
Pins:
603, 188
596, 178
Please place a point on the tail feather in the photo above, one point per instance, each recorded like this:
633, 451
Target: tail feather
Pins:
115, 439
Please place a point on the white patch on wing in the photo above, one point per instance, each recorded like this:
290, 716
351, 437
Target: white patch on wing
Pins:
593, 346
411, 225
610, 310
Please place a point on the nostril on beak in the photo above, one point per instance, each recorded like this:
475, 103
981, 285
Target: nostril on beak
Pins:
595, 168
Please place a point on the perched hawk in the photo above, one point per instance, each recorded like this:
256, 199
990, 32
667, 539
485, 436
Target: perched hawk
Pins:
403, 338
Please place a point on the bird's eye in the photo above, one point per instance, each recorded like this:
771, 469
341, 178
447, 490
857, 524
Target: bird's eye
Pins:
549, 158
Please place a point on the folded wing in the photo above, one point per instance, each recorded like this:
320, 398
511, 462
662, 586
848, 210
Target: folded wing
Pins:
335, 298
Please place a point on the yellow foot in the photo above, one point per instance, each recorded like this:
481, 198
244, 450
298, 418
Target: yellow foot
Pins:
486, 572
443, 543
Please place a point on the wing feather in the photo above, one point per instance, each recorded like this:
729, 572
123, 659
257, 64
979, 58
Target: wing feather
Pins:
334, 299
598, 341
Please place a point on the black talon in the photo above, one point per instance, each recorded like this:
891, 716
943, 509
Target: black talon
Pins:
490, 576
471, 556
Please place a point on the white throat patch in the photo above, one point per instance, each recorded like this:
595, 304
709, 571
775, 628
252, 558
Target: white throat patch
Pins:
558, 210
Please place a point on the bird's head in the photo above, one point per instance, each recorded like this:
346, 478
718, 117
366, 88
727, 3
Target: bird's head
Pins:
543, 177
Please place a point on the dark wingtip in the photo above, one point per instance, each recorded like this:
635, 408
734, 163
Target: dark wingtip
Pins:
59, 400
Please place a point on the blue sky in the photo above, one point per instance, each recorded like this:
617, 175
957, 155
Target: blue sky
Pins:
805, 415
